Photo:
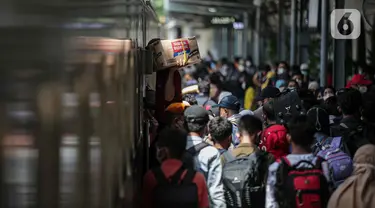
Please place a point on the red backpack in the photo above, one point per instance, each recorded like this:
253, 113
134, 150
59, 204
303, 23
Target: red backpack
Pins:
301, 187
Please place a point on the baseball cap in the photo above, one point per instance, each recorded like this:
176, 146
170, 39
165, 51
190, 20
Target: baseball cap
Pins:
196, 114
358, 79
229, 102
268, 92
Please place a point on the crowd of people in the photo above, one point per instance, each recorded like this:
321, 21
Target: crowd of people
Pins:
266, 136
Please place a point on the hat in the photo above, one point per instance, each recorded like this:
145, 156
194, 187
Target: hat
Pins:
268, 92
246, 112
177, 108
358, 79
196, 114
229, 102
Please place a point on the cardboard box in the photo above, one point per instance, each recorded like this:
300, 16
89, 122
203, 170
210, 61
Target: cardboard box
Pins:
171, 53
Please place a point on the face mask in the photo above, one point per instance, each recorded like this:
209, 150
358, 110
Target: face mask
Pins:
241, 68
248, 63
280, 71
291, 88
362, 89
304, 72
328, 95
360, 71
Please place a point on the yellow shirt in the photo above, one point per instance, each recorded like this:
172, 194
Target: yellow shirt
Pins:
249, 98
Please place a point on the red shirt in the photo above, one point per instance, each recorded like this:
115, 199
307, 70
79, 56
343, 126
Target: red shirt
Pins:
170, 167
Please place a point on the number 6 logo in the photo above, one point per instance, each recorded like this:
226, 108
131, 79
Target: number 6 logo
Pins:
345, 24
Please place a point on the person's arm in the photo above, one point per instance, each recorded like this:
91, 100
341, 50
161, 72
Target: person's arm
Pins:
270, 187
214, 182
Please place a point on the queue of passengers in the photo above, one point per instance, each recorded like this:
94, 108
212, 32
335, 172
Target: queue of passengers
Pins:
217, 150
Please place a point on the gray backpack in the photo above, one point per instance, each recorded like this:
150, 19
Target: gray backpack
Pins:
244, 180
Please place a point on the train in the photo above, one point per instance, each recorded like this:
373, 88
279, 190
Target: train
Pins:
73, 81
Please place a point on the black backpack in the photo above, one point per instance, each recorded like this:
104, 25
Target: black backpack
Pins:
176, 192
189, 156
244, 180
287, 105
301, 187
353, 139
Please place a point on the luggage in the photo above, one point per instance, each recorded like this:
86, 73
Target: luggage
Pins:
287, 106
176, 192
301, 187
171, 53
189, 156
340, 164
243, 180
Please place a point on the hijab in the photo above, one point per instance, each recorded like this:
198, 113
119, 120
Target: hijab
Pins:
358, 190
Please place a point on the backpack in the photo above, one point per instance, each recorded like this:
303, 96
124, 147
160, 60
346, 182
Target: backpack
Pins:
177, 192
244, 180
189, 157
353, 139
287, 106
340, 164
301, 187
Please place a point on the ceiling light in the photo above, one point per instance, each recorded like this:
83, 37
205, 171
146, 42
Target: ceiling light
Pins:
212, 10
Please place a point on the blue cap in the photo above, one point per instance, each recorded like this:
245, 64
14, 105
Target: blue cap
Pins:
229, 102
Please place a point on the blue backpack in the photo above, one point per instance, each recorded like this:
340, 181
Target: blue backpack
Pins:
340, 164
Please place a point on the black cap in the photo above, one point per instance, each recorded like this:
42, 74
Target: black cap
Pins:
269, 92
196, 114
229, 102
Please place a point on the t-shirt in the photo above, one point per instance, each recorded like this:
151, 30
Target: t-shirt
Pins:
169, 168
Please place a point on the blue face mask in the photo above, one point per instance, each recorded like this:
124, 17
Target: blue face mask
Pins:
304, 72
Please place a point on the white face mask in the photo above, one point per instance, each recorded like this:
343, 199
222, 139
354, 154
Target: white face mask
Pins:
241, 68
280, 71
248, 63
362, 89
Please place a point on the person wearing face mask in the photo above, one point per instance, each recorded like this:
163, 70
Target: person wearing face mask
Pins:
207, 159
283, 71
298, 77
293, 85
266, 94
359, 82
170, 150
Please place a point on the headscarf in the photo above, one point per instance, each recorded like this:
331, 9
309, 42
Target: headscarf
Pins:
358, 190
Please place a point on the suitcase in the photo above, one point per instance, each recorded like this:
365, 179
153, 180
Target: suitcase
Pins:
287, 105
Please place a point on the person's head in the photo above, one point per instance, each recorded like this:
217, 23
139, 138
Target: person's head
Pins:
350, 102
328, 92
360, 83
249, 129
301, 132
196, 119
204, 88
229, 106
313, 86
297, 76
171, 147
304, 69
190, 98
284, 65
268, 93
220, 131
175, 115
320, 118
330, 104
293, 84
216, 85
268, 112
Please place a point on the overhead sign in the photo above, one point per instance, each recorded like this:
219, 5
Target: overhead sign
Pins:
223, 20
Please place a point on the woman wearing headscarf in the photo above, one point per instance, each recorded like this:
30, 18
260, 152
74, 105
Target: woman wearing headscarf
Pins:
358, 190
